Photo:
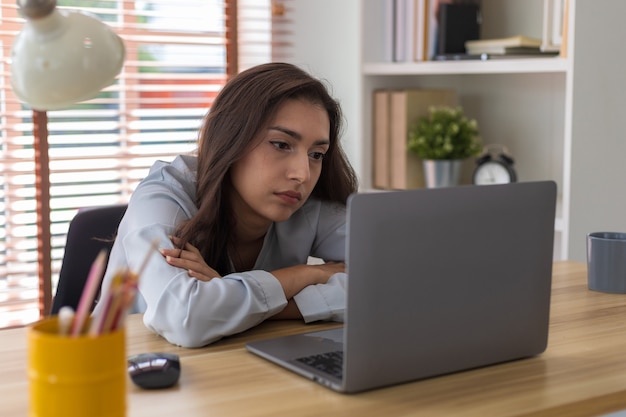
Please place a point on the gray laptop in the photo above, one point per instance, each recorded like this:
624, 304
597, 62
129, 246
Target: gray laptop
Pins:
439, 281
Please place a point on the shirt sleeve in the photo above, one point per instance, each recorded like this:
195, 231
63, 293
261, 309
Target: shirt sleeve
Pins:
323, 301
327, 301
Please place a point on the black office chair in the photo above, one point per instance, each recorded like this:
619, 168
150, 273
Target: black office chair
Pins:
90, 231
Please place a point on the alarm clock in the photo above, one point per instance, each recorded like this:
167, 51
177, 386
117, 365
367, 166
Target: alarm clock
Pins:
494, 166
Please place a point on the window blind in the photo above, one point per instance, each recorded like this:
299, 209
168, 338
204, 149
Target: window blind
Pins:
179, 55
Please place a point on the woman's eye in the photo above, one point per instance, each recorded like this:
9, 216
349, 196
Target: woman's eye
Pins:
317, 155
280, 145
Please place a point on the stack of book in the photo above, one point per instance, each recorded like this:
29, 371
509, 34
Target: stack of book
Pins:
394, 114
512, 46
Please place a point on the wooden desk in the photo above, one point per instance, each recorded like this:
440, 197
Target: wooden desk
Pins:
582, 373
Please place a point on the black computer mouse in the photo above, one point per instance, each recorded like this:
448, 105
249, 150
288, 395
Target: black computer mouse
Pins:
154, 370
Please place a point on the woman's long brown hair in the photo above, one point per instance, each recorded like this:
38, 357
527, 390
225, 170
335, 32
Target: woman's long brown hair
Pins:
243, 108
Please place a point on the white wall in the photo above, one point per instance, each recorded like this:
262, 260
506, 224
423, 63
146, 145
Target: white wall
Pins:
598, 160
333, 58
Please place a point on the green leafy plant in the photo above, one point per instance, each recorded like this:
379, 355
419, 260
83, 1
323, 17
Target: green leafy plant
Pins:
445, 134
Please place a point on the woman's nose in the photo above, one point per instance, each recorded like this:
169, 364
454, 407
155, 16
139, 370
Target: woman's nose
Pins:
299, 169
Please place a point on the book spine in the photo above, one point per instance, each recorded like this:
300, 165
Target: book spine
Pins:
381, 140
432, 29
399, 128
405, 30
565, 35
420, 30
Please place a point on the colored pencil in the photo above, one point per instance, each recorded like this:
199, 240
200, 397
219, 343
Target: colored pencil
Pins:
94, 280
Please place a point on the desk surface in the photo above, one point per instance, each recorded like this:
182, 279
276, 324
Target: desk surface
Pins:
582, 372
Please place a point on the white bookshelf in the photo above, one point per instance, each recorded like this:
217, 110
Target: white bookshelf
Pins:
562, 118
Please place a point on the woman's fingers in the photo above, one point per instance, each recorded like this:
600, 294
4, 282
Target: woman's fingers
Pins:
182, 253
189, 251
191, 248
190, 259
202, 276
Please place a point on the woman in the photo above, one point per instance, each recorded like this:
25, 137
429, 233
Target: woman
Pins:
236, 224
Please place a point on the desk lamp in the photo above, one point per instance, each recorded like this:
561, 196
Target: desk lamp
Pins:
62, 57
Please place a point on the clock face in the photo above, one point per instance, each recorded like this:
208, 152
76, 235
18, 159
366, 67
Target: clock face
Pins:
492, 173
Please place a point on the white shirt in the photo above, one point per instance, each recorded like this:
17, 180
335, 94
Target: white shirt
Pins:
192, 313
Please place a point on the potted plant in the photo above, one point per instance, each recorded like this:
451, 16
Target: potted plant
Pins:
443, 139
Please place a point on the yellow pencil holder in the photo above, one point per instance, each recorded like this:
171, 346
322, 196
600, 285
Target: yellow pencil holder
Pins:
76, 376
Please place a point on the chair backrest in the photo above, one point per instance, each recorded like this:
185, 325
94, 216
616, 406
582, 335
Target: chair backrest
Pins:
90, 231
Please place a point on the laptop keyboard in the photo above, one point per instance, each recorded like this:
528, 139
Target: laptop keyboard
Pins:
329, 362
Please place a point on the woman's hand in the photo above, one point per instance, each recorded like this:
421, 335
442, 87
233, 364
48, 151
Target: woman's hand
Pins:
294, 279
189, 258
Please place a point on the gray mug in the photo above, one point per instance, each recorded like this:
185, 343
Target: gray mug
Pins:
606, 262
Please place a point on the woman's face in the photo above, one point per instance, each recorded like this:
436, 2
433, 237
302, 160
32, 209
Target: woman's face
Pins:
278, 175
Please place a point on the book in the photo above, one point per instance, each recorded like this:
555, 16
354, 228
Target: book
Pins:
406, 107
565, 35
457, 23
437, 26
519, 40
431, 29
404, 28
508, 50
381, 139
511, 45
420, 30
487, 57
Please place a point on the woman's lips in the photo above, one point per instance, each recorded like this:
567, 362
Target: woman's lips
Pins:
291, 197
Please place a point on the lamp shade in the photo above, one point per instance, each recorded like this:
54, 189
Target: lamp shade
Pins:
63, 58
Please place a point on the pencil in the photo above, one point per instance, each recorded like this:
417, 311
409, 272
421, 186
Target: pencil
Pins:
89, 292
117, 295
97, 322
